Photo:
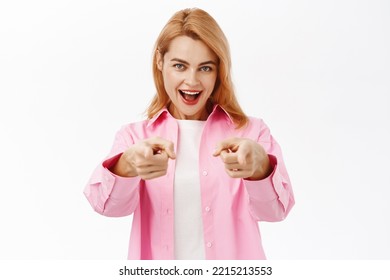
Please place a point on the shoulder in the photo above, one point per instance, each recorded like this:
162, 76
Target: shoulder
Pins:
255, 120
133, 129
256, 123
256, 128
134, 126
161, 126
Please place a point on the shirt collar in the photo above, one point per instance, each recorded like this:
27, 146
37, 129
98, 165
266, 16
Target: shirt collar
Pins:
157, 116
217, 109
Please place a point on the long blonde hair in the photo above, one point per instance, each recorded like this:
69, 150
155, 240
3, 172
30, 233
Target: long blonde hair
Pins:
198, 25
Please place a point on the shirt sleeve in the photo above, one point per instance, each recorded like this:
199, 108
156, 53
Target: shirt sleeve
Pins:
271, 198
109, 194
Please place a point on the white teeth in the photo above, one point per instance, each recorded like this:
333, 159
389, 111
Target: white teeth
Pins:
191, 92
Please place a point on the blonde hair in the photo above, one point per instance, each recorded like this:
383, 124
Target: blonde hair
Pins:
198, 25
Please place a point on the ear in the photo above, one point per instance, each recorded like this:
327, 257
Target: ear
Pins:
159, 60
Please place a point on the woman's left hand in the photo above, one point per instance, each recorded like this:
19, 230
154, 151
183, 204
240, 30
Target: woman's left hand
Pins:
244, 158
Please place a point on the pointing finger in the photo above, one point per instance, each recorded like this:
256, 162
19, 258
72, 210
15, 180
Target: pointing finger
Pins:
226, 144
242, 155
147, 152
163, 145
169, 150
228, 157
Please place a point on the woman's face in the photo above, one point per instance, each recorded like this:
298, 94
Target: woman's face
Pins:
189, 71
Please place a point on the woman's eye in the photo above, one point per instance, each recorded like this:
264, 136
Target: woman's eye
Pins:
206, 68
179, 66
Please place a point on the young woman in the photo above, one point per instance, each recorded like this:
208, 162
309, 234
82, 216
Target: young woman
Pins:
198, 174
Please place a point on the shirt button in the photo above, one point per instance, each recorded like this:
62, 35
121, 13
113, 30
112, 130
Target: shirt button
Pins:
204, 173
209, 244
207, 209
168, 211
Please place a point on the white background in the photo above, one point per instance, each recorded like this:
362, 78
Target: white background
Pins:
73, 72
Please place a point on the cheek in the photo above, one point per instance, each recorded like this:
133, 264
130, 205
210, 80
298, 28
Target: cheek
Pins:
210, 82
171, 80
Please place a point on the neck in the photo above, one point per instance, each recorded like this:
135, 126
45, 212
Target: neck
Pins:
200, 116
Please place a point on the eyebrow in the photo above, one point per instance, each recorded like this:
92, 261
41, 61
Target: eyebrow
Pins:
200, 64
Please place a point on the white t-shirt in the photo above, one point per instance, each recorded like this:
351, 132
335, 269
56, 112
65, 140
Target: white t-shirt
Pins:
189, 241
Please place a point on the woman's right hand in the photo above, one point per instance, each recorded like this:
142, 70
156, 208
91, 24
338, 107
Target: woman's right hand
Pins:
147, 159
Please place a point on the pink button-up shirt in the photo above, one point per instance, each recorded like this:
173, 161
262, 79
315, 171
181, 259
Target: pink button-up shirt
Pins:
231, 207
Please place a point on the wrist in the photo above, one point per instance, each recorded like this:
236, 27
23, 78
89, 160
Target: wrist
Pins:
123, 167
265, 169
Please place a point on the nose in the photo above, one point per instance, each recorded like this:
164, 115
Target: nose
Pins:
191, 78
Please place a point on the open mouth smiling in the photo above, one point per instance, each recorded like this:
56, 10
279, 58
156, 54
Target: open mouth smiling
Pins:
190, 95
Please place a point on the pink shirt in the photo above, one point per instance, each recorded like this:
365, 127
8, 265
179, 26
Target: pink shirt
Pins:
231, 207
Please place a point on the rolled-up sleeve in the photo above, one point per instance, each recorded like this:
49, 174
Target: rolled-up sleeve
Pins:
271, 198
109, 194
